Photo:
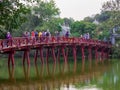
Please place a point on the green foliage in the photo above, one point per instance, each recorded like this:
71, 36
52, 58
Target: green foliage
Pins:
12, 15
103, 16
88, 19
68, 21
113, 7
43, 17
82, 27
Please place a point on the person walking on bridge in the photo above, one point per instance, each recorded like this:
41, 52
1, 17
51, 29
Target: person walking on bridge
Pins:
33, 35
8, 37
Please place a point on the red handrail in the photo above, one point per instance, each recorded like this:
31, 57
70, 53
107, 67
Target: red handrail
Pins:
18, 42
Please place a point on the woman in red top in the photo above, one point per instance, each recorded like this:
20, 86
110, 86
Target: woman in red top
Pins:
32, 34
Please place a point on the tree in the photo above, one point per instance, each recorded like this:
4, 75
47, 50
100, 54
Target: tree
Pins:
88, 19
114, 7
45, 15
12, 14
103, 16
82, 27
68, 21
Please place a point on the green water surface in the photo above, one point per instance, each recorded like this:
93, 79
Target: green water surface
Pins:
79, 75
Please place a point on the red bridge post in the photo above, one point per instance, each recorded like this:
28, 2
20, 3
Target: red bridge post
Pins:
26, 56
41, 55
67, 50
74, 53
53, 53
64, 56
83, 55
36, 55
102, 54
58, 55
96, 54
11, 57
108, 52
90, 53
47, 54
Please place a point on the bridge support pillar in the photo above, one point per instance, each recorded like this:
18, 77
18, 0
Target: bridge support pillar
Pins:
36, 54
67, 50
47, 54
64, 56
83, 55
96, 54
102, 54
53, 53
108, 52
74, 53
58, 55
11, 58
90, 53
26, 56
41, 55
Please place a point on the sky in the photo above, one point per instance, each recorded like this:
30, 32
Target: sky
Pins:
79, 9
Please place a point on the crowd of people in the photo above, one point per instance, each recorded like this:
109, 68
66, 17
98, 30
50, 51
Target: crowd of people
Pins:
36, 34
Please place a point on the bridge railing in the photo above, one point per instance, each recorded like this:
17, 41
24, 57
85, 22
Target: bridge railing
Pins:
16, 42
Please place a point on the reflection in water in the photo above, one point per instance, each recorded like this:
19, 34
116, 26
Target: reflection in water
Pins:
11, 73
83, 66
39, 74
75, 66
90, 64
56, 76
26, 70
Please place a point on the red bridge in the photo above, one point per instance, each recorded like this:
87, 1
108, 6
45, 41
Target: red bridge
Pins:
55, 44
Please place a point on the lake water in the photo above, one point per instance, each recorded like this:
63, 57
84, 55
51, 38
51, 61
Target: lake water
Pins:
60, 76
